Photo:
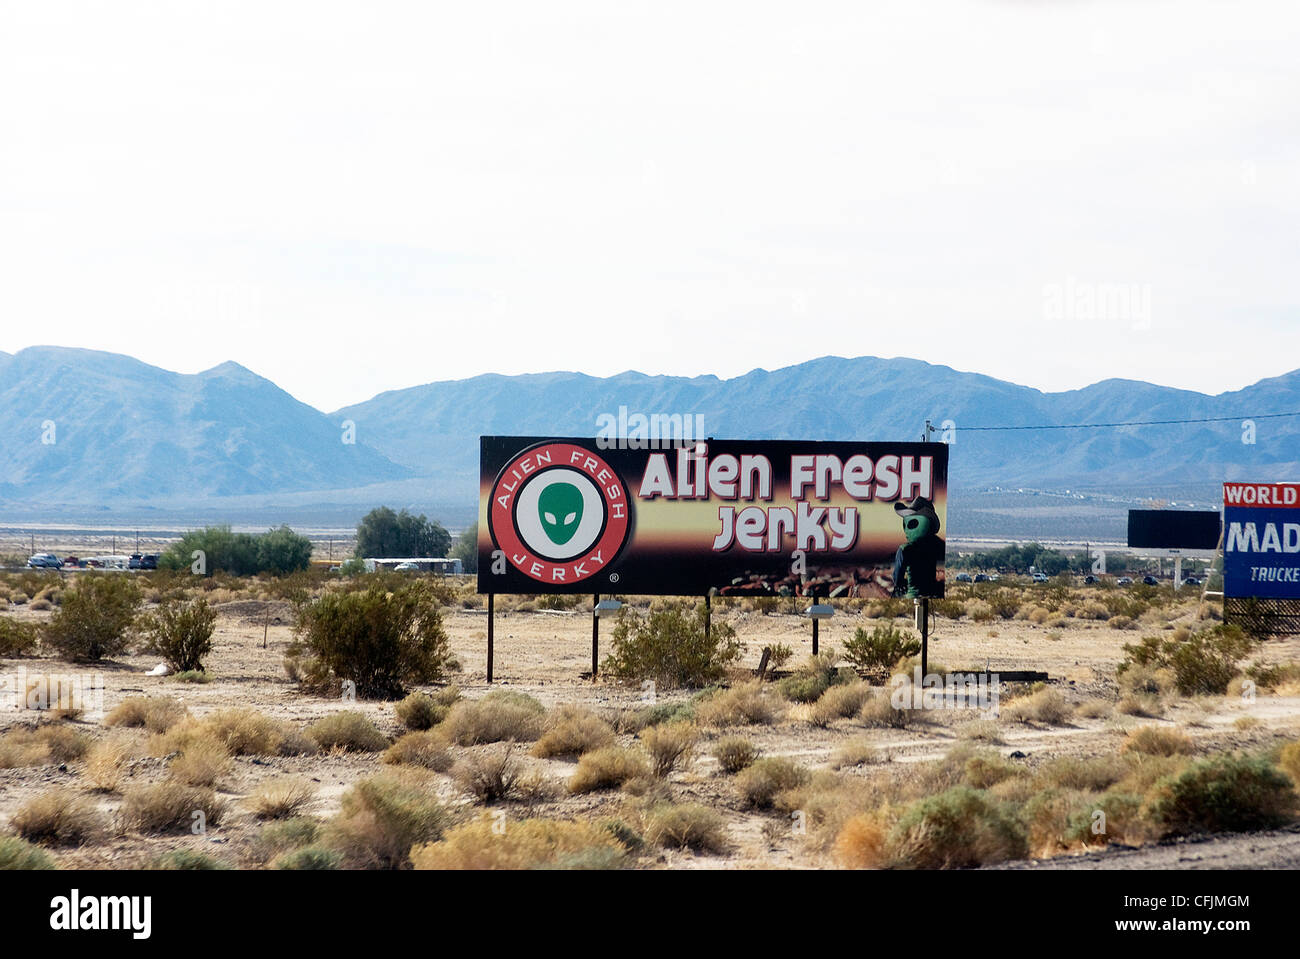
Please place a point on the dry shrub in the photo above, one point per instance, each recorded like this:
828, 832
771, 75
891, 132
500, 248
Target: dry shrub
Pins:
759, 784
500, 715
1094, 709
1246, 722
686, 826
859, 751
861, 842
1142, 705
879, 710
526, 844
281, 798
607, 768
349, 730
245, 732
669, 745
428, 749
1045, 706
381, 819
958, 828
106, 764
420, 711
489, 775
572, 731
840, 702
36, 746
986, 769
59, 817
734, 754
1120, 821
202, 762
64, 743
1093, 609
982, 731
1159, 741
155, 713
1088, 775
748, 704
1289, 760
169, 807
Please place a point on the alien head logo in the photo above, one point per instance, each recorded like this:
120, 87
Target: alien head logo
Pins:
560, 513
559, 507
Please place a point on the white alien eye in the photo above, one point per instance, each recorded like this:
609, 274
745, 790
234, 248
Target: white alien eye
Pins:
570, 518
550, 518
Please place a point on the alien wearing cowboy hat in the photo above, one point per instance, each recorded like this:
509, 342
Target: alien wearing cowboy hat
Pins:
917, 561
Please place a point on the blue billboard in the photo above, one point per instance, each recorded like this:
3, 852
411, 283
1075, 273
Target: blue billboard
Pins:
1261, 540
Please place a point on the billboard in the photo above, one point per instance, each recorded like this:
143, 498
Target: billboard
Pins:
762, 517
1174, 528
1261, 540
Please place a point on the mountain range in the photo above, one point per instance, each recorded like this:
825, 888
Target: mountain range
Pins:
92, 433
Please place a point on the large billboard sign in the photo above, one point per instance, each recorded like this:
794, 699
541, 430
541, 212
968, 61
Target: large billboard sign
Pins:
767, 517
1261, 540
1174, 529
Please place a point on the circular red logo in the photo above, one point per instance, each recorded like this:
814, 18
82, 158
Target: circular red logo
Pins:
559, 513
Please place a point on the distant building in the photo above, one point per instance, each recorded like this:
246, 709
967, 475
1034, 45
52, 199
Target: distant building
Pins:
426, 564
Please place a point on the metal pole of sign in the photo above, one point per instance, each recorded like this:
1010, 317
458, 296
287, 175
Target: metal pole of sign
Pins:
923, 613
491, 622
708, 614
595, 635
814, 636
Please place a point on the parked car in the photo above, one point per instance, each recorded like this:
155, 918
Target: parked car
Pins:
1191, 581
44, 561
406, 568
1089, 580
1150, 580
1124, 581
963, 577
149, 561
1040, 578
981, 578
134, 561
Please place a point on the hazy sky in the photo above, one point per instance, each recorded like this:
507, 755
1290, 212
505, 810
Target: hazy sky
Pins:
352, 197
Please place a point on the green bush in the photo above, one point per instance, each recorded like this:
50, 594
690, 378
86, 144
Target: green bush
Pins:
734, 754
671, 647
277, 551
379, 638
958, 828
181, 633
420, 711
1203, 663
94, 618
383, 533
309, 857
1222, 794
880, 649
811, 679
16, 637
761, 781
16, 853
188, 859
350, 730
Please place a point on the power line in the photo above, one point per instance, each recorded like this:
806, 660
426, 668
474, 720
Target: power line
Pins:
1096, 426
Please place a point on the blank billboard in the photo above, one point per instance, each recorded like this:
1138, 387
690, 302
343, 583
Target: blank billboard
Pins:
1174, 528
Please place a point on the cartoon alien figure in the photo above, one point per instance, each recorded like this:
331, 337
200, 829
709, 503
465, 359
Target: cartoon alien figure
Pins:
917, 561
559, 507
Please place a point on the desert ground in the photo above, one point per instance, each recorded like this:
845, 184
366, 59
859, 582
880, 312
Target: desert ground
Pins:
546, 654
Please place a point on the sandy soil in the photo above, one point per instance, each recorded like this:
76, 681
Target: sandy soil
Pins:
545, 655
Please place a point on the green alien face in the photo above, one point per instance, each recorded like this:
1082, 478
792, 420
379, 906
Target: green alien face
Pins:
915, 527
560, 510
